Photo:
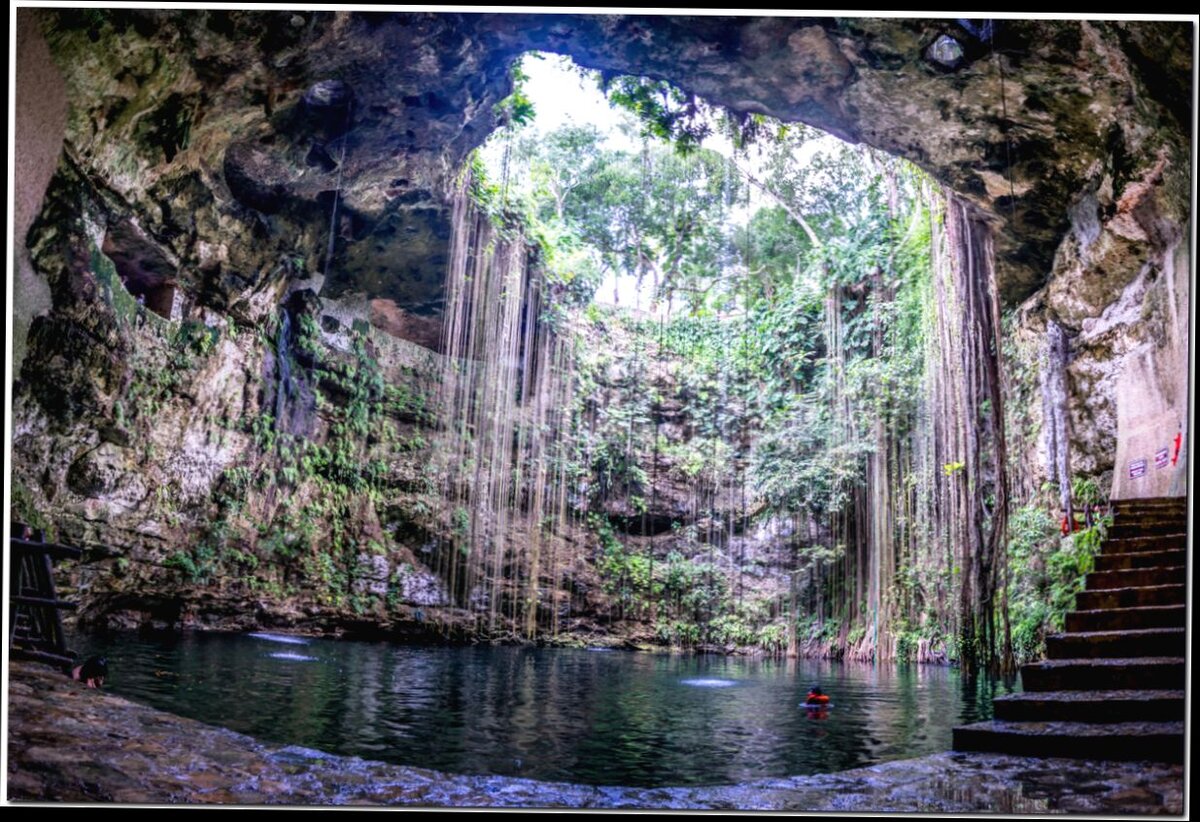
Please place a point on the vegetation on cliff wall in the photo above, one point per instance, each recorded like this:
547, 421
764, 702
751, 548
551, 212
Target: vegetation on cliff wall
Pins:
818, 430
796, 441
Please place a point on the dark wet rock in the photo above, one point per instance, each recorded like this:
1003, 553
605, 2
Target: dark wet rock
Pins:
255, 177
328, 105
319, 157
141, 261
301, 303
425, 331
1118, 741
1091, 706
98, 470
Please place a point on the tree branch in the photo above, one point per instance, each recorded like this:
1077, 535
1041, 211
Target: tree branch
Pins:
791, 212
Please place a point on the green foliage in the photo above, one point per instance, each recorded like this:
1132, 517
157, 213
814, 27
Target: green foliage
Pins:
308, 337
749, 360
1086, 491
197, 566
772, 638
732, 630
664, 112
625, 575
262, 428
516, 109
594, 210
678, 633
112, 288
460, 522
193, 337
907, 640
25, 510
1046, 572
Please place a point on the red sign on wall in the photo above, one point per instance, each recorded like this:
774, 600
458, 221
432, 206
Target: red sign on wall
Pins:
1137, 468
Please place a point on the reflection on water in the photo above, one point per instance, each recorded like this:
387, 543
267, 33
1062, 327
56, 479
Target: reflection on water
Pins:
286, 640
617, 718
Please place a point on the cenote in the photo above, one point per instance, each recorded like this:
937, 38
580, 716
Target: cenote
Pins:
787, 351
593, 716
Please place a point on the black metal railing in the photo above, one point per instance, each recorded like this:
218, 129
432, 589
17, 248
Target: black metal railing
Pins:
34, 609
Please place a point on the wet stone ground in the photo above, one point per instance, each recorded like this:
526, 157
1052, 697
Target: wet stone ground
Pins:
70, 744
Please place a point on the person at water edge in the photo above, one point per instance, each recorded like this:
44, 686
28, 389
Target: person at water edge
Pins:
93, 671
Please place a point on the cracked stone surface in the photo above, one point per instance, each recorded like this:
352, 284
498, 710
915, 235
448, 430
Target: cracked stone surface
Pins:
70, 744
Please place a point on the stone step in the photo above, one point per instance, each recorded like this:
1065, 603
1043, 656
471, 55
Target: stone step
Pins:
1145, 509
1117, 619
1137, 577
1131, 597
1120, 530
1124, 741
1112, 684
1148, 502
1140, 559
1150, 509
1102, 674
1152, 523
1135, 545
1091, 706
1117, 644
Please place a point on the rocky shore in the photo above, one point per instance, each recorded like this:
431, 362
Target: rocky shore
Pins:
70, 744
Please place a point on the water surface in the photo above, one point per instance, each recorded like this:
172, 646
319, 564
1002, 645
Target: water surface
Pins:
616, 718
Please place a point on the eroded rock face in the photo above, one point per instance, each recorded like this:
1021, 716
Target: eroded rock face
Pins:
405, 325
238, 156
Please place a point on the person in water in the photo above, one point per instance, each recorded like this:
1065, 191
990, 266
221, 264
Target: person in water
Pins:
816, 697
92, 672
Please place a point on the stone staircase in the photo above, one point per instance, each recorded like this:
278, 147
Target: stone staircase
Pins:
1112, 685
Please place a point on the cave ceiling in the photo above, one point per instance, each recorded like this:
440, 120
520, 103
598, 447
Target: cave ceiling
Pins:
223, 138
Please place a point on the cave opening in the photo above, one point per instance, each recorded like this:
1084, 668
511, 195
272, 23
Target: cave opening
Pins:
750, 322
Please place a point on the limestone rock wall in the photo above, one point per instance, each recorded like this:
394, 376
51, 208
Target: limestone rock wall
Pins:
215, 164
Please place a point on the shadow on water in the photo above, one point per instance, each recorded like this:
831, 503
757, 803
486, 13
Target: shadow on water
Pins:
615, 718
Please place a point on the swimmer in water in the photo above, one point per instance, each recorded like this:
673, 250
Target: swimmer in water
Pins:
816, 698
